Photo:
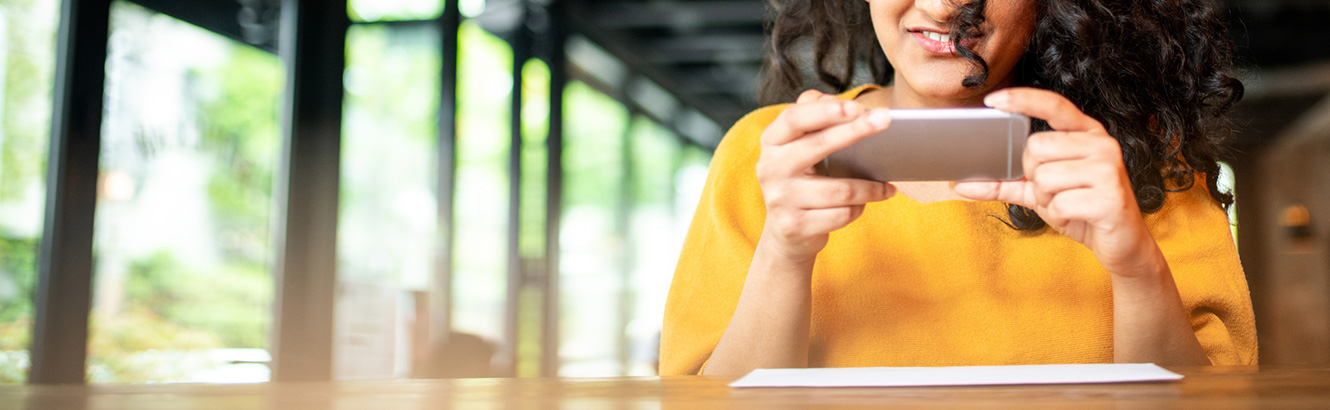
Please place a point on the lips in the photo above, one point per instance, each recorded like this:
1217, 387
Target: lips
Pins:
935, 36
934, 43
938, 42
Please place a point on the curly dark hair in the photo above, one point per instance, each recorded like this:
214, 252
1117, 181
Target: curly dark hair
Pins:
1157, 73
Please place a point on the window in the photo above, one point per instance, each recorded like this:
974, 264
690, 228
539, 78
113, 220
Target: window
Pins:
394, 10
630, 189
1226, 183
182, 286
592, 241
27, 50
387, 229
485, 84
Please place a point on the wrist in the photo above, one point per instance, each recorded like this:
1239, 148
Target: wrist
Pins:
790, 251
1145, 275
1147, 263
1136, 257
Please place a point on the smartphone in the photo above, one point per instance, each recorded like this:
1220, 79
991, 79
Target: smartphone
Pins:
954, 144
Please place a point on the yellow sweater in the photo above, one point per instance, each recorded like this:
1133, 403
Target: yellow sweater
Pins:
944, 283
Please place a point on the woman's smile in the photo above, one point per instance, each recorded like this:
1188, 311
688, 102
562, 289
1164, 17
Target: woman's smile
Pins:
918, 40
938, 41
934, 42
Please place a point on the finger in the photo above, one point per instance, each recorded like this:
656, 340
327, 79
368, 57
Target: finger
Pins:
823, 221
818, 192
809, 96
1053, 146
1060, 113
1057, 145
814, 147
1086, 205
1018, 192
1051, 178
801, 119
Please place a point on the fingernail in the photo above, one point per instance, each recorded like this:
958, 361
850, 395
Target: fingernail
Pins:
997, 99
879, 118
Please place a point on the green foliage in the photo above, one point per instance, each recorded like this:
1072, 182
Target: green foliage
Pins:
654, 156
29, 59
232, 305
535, 157
240, 128
394, 10
593, 154
18, 273
138, 346
27, 48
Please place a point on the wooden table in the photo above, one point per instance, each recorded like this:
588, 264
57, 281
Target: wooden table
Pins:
1203, 388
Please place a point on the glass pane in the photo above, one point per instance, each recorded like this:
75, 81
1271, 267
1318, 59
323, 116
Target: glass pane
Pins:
394, 10
481, 211
27, 50
183, 291
531, 241
592, 258
387, 228
655, 246
1226, 183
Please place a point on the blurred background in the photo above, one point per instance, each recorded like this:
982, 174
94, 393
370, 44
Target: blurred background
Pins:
299, 190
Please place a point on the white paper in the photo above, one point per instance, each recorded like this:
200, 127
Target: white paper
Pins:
956, 376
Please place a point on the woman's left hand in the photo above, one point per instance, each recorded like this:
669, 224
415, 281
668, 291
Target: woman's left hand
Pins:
1075, 180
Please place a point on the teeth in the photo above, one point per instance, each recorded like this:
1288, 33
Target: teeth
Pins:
945, 38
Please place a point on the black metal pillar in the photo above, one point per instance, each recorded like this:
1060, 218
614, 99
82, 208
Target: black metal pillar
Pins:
551, 49
440, 299
64, 283
312, 43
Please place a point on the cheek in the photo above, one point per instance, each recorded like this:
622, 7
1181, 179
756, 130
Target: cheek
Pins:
886, 18
1016, 21
1019, 19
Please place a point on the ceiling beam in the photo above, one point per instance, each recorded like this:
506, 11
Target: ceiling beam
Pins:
733, 48
679, 15
1275, 99
1308, 79
740, 80
1280, 34
224, 17
616, 45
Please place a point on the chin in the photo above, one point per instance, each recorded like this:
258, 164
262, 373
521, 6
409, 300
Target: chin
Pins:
950, 89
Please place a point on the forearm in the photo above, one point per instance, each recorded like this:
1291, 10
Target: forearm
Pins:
1150, 325
770, 325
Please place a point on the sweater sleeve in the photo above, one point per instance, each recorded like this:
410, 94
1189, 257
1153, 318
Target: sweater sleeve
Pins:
717, 250
1194, 234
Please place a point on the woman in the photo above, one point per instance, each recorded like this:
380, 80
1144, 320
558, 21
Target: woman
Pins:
1115, 247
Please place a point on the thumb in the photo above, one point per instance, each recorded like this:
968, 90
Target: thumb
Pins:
1013, 192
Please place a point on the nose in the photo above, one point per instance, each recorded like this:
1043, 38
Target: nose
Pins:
940, 11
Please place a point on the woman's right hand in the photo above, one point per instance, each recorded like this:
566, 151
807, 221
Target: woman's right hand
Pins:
803, 207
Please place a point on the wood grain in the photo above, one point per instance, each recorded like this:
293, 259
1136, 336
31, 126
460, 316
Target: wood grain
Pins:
1203, 388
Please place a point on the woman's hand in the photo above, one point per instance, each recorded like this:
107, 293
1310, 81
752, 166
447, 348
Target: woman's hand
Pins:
802, 206
1075, 180
770, 325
